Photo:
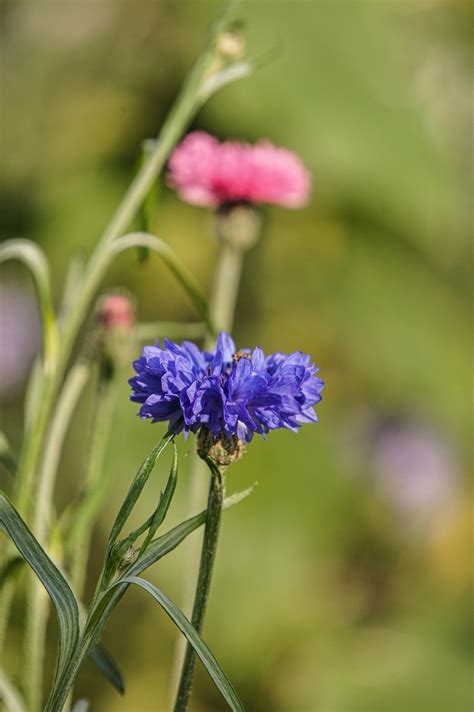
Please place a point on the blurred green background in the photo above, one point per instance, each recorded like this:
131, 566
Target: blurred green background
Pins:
342, 584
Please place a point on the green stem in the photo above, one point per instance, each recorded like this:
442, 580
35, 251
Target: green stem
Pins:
185, 107
208, 555
222, 306
181, 114
37, 608
225, 288
82, 533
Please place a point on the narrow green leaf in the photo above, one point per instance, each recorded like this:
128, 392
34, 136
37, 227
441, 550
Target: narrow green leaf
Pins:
158, 548
137, 486
207, 658
165, 501
108, 667
57, 587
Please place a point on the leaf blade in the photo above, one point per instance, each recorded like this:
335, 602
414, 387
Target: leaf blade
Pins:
207, 658
108, 667
58, 589
165, 501
137, 486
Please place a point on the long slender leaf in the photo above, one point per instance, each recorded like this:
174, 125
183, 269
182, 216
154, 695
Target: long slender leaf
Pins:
152, 524
158, 548
207, 658
107, 665
137, 486
54, 582
165, 501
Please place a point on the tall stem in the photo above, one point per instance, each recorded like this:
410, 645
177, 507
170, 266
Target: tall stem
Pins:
37, 602
187, 104
106, 399
221, 307
208, 555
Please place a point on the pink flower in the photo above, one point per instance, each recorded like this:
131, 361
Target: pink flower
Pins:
206, 172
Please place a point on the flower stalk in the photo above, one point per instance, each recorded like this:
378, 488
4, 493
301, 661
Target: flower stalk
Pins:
208, 555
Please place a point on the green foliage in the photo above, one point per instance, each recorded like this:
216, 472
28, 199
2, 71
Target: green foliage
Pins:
108, 667
221, 681
63, 599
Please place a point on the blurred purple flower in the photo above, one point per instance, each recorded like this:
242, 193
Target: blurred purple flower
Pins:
414, 468
232, 393
19, 334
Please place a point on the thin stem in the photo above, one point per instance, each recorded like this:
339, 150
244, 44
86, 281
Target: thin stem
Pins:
208, 555
105, 404
23, 486
226, 287
37, 600
222, 307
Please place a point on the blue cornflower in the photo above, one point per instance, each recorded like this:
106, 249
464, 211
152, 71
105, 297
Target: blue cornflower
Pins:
230, 394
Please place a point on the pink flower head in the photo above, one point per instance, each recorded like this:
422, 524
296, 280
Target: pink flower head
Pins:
207, 172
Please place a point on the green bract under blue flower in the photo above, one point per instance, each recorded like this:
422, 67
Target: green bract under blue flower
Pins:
233, 393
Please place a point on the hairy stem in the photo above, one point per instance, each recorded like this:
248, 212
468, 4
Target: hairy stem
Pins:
208, 555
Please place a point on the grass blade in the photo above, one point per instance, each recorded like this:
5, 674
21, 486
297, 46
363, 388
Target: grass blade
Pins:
207, 658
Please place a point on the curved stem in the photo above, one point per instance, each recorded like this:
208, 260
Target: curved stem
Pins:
208, 555
161, 248
37, 602
34, 258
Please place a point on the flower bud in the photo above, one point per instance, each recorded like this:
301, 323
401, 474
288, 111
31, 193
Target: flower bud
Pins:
116, 328
239, 225
223, 450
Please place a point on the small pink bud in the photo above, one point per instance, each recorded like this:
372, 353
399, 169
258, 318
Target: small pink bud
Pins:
116, 312
116, 331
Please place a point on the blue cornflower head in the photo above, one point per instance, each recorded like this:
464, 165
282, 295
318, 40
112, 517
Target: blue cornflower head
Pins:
228, 394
